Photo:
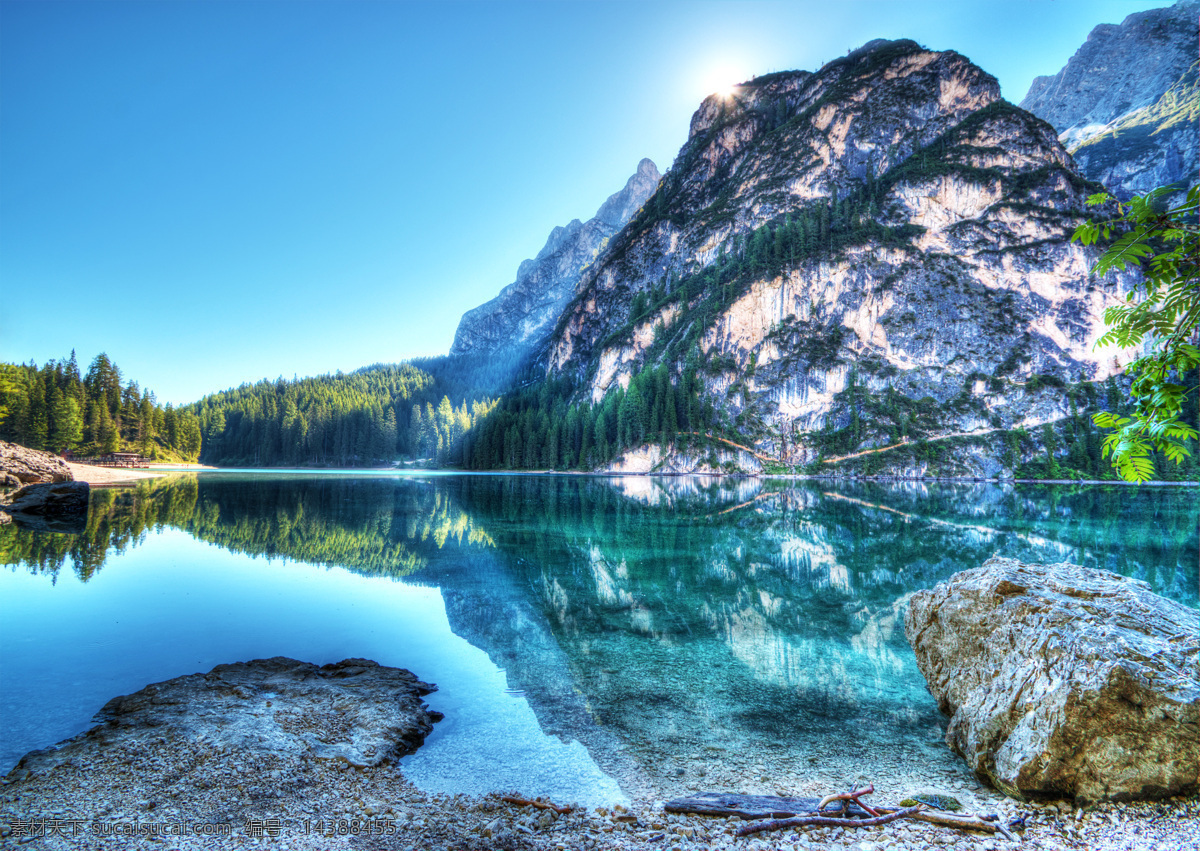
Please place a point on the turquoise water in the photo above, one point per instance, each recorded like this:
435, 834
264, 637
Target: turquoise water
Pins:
591, 638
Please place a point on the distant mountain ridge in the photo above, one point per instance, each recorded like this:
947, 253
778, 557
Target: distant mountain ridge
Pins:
1126, 104
526, 310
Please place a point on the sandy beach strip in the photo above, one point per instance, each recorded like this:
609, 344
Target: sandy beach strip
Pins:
99, 476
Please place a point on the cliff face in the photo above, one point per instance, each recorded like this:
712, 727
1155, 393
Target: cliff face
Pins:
881, 246
524, 312
1126, 104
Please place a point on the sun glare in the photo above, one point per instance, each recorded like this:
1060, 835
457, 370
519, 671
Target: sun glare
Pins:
722, 80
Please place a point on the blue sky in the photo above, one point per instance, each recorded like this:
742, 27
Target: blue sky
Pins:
219, 192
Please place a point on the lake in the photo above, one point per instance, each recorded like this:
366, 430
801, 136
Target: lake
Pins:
593, 639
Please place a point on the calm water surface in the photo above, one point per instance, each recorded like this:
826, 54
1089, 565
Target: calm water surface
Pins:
591, 638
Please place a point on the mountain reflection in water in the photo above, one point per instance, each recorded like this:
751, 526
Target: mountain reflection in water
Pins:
685, 630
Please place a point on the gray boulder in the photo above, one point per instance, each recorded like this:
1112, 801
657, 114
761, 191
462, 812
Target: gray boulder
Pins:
21, 465
58, 507
1063, 681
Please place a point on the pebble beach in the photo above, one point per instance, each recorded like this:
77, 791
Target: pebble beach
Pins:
197, 796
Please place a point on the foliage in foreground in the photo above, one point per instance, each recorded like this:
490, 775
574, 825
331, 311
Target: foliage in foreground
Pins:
1162, 314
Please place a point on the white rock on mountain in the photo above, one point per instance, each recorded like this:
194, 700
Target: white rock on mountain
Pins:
525, 311
934, 288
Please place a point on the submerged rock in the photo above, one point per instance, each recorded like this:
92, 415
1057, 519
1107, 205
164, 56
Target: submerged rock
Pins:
1062, 680
356, 711
57, 507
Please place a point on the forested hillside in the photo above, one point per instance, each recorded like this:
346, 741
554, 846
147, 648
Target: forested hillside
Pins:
539, 427
55, 409
364, 418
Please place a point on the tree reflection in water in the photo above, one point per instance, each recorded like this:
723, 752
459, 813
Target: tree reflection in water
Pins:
693, 625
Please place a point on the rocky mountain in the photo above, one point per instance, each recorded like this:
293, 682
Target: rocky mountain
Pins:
525, 311
1127, 103
870, 255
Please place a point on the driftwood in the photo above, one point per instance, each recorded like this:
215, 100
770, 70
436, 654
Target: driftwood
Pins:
541, 805
967, 821
853, 795
842, 809
826, 821
727, 804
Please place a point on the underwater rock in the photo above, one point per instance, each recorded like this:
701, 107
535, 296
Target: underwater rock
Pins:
1063, 680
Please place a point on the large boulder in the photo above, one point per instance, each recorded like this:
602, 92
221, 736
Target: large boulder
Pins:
59, 507
1063, 681
20, 465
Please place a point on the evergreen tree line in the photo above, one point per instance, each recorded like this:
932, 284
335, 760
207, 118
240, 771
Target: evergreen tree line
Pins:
539, 426
55, 409
432, 408
363, 418
1073, 447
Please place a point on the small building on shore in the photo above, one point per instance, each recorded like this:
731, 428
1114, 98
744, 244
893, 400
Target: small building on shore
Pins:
123, 459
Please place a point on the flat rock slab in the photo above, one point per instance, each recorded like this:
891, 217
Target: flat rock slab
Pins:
268, 739
1063, 681
356, 711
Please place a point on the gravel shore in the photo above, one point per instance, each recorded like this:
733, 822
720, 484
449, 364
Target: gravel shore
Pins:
198, 796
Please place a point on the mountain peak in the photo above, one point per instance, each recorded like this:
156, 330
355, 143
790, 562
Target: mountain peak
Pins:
519, 317
886, 228
620, 206
1125, 104
1120, 68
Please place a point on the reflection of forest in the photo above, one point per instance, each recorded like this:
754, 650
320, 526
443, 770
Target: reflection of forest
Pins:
873, 541
377, 527
118, 518
673, 619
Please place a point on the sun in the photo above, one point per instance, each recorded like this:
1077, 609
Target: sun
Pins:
721, 80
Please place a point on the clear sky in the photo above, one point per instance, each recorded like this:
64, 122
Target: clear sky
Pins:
218, 192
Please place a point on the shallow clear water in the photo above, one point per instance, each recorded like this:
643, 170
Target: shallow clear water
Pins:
591, 638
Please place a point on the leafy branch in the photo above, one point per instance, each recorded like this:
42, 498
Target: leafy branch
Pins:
1161, 315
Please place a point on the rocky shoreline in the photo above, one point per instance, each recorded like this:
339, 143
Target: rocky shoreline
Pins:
375, 807
282, 754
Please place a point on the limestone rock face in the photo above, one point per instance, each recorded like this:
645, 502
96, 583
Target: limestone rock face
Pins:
30, 465
953, 292
58, 507
1063, 681
525, 311
356, 711
1127, 102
